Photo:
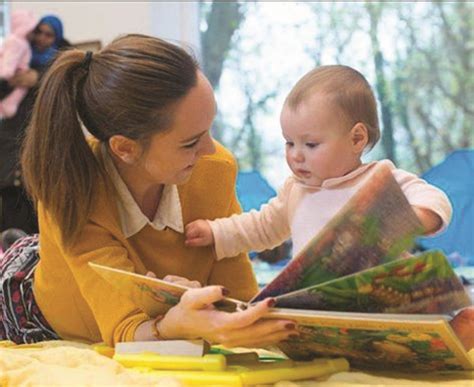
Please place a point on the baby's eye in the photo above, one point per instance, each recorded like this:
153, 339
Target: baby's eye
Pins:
289, 143
312, 144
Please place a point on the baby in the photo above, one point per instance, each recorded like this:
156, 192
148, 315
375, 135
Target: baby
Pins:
15, 55
329, 119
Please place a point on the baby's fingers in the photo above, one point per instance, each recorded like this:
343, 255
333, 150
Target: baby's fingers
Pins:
195, 241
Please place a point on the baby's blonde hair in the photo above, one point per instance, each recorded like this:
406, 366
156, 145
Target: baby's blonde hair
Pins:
347, 89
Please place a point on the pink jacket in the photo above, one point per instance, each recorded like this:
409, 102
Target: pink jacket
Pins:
15, 53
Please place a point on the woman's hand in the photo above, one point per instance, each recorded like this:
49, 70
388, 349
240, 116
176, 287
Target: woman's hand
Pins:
176, 279
198, 233
195, 317
28, 79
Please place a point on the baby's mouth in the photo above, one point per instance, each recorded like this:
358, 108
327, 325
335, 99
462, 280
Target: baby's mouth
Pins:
303, 173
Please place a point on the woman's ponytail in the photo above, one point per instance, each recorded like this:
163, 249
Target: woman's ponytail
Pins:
59, 168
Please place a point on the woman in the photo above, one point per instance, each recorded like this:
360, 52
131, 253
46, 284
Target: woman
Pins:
16, 210
122, 200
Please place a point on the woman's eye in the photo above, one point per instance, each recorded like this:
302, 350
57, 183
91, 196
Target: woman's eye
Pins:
312, 144
191, 145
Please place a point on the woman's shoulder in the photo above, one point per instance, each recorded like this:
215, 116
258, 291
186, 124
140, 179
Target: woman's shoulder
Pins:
221, 164
221, 156
210, 190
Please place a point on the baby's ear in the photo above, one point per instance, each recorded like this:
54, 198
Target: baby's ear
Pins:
359, 137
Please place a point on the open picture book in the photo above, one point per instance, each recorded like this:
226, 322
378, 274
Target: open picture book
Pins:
352, 290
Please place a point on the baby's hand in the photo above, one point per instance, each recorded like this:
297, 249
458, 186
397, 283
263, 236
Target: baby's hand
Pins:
430, 220
198, 233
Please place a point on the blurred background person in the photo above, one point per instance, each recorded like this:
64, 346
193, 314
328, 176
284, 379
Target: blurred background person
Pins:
16, 210
15, 56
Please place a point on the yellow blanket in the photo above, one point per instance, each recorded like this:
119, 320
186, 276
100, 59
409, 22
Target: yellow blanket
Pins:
57, 363
62, 363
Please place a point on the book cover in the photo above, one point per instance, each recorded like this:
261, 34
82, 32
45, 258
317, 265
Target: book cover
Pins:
164, 347
418, 343
151, 295
425, 283
375, 226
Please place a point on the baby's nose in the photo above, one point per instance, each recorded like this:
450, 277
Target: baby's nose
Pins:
298, 156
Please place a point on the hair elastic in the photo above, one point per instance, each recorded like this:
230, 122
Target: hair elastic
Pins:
87, 60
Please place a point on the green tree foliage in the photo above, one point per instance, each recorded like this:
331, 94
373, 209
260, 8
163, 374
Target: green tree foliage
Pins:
417, 55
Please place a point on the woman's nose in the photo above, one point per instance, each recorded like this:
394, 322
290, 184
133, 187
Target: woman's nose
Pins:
207, 146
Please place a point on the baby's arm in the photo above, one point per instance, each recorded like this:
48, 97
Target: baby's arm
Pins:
254, 230
430, 204
430, 220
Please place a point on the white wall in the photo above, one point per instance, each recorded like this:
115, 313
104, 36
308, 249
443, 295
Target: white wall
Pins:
106, 20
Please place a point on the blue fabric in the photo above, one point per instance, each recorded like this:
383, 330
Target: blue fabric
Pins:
42, 58
55, 23
253, 190
455, 176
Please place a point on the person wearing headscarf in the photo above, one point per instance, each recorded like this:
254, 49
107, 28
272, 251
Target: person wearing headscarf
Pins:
16, 210
48, 39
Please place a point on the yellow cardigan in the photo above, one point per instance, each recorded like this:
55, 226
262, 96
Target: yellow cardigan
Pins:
79, 305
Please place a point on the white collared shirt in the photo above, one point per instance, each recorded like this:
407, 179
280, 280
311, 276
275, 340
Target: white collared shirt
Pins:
132, 219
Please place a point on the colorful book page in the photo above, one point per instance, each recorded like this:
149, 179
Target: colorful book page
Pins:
417, 343
420, 284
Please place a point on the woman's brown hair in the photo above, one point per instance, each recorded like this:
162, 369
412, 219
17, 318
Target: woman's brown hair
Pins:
128, 89
347, 89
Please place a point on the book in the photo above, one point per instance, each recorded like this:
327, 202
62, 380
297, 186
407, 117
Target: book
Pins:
424, 283
416, 342
152, 295
216, 370
410, 342
375, 226
164, 348
352, 291
378, 341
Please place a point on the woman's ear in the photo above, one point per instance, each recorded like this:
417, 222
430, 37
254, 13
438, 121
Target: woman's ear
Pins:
124, 148
359, 137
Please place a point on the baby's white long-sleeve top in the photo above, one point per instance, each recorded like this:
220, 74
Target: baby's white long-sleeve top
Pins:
301, 211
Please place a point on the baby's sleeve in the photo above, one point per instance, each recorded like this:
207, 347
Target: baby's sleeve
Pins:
254, 230
424, 195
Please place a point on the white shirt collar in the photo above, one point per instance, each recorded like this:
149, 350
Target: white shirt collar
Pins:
132, 219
